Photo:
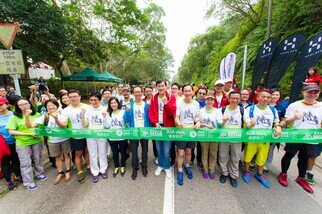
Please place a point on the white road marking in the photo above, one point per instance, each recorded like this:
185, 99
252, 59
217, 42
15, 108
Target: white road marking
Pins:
168, 201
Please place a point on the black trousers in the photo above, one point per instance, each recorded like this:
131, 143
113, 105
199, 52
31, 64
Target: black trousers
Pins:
155, 151
134, 151
119, 147
193, 156
11, 163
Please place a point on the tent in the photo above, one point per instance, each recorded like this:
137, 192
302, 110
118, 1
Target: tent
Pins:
111, 77
87, 74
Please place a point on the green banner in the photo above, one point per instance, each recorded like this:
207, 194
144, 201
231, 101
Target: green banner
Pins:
189, 134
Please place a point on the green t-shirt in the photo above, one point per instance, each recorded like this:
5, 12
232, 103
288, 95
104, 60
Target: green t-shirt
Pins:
19, 124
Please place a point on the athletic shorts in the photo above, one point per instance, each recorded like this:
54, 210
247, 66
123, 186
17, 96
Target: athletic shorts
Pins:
77, 144
258, 149
319, 150
56, 149
186, 144
311, 150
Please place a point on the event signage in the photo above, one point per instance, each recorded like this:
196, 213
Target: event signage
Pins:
222, 69
263, 60
189, 134
309, 56
11, 62
284, 54
230, 62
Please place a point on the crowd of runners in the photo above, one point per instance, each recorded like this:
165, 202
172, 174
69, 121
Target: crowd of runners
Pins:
158, 104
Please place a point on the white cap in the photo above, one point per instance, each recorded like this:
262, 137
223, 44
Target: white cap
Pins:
219, 82
228, 80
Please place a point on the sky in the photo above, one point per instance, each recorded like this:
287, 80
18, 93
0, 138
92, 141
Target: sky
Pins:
184, 19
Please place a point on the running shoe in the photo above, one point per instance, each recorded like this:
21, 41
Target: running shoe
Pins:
199, 164
80, 177
223, 178
205, 175
192, 164
95, 178
156, 161
303, 183
188, 171
42, 177
212, 175
282, 179
251, 166
266, 170
310, 178
158, 171
32, 186
246, 177
11, 185
168, 173
122, 171
180, 178
104, 175
233, 182
116, 171
262, 180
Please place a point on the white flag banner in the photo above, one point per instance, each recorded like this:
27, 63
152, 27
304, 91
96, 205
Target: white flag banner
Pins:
230, 62
222, 69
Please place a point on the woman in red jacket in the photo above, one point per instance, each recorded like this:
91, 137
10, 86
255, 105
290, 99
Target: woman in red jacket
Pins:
313, 77
162, 112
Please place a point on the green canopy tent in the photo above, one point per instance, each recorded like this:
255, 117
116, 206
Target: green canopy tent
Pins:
87, 74
111, 77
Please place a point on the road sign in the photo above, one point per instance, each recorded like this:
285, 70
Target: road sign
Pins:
8, 33
11, 62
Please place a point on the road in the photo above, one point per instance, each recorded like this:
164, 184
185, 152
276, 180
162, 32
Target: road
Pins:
159, 195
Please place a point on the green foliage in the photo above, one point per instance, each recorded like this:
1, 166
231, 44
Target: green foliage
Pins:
237, 30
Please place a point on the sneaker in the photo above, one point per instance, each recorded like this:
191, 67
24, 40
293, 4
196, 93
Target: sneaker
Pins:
80, 177
32, 187
262, 180
42, 177
104, 175
212, 175
282, 179
200, 166
11, 185
168, 173
251, 166
205, 175
116, 171
233, 182
188, 171
95, 178
310, 178
266, 170
303, 183
18, 179
122, 171
192, 164
156, 161
223, 178
246, 177
158, 171
180, 178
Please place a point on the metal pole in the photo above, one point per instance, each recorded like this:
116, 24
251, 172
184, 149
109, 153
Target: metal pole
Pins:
15, 78
244, 66
269, 20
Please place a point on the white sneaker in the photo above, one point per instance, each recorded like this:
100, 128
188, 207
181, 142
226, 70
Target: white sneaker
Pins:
168, 173
158, 171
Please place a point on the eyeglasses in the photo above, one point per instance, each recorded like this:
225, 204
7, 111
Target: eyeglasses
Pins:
23, 104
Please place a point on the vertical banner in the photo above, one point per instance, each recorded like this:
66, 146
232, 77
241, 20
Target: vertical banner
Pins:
284, 54
309, 56
263, 59
230, 62
222, 69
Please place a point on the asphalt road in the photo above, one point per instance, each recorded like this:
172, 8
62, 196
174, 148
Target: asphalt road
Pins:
147, 195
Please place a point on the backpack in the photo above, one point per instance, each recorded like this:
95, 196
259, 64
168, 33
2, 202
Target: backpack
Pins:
241, 109
252, 108
4, 148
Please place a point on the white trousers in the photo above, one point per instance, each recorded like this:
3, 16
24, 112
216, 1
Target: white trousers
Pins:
97, 149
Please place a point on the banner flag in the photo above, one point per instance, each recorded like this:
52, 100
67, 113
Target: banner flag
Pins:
284, 54
309, 56
263, 59
230, 62
190, 134
222, 69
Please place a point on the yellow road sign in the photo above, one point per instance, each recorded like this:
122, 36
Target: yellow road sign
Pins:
11, 62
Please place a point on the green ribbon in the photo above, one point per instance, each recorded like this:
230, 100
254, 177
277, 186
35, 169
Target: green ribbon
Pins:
190, 134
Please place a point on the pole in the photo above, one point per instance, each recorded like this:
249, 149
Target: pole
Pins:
15, 78
244, 66
269, 20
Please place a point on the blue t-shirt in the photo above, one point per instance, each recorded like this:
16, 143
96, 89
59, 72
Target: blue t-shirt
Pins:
3, 131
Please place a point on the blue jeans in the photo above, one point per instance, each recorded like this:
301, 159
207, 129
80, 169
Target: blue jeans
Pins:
163, 148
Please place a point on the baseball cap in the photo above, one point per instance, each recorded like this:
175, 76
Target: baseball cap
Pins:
3, 101
126, 88
219, 82
311, 88
228, 80
210, 95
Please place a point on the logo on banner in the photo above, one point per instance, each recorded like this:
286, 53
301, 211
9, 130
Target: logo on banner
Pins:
119, 132
315, 45
267, 48
289, 44
193, 134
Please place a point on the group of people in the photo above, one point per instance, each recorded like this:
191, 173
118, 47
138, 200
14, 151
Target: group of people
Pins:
157, 105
